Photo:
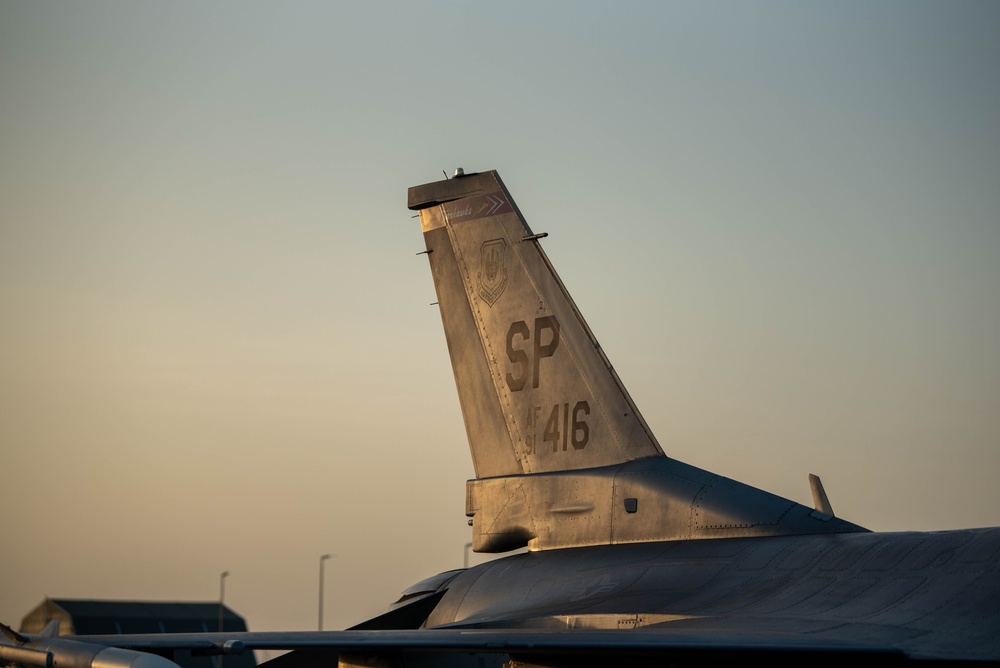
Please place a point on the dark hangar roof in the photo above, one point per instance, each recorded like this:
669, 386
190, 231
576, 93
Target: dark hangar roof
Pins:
89, 616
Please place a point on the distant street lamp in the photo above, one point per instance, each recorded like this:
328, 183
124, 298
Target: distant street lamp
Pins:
322, 560
467, 546
222, 595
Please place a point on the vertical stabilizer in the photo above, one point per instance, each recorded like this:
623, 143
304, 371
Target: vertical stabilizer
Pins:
537, 393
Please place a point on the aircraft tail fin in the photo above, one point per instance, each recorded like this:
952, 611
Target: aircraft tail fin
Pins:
537, 392
562, 456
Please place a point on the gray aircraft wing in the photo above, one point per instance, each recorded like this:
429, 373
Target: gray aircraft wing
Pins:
472, 647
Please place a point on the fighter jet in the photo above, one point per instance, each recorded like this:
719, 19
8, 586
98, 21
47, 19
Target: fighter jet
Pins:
632, 557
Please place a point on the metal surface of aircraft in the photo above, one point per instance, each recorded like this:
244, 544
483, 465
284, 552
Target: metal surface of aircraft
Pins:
633, 557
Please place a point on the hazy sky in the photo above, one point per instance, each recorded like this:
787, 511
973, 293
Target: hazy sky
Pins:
782, 220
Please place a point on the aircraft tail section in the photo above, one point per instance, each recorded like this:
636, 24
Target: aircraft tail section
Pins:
537, 392
562, 456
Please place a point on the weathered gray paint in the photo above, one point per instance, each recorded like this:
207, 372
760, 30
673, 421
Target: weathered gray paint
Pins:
499, 298
578, 372
928, 594
674, 501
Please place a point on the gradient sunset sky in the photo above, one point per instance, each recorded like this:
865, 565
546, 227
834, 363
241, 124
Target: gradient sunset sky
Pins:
217, 351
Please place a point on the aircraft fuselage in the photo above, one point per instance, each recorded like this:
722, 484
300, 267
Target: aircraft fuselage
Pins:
926, 590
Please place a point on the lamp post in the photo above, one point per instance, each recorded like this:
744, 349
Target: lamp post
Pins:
222, 595
322, 560
467, 546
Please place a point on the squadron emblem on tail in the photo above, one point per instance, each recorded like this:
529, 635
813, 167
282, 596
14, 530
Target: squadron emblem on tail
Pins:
493, 272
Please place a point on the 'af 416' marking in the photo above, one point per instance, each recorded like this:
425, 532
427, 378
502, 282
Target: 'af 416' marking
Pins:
558, 429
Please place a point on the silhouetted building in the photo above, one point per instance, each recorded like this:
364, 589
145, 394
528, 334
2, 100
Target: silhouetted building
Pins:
89, 617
